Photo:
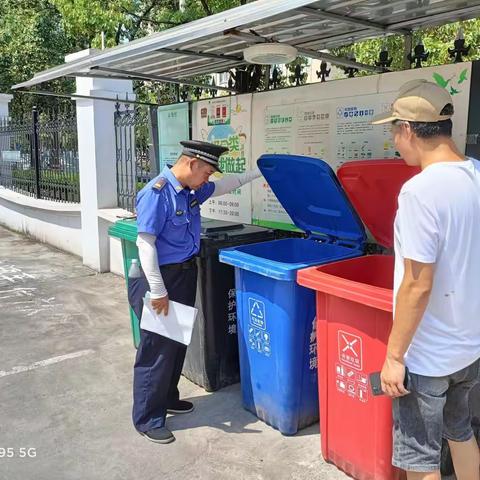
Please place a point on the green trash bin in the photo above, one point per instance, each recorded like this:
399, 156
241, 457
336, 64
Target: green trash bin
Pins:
126, 231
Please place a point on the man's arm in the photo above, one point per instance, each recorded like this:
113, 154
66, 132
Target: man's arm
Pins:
147, 253
412, 300
231, 182
151, 217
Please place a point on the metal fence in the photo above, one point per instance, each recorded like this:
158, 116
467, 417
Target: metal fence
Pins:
39, 155
134, 127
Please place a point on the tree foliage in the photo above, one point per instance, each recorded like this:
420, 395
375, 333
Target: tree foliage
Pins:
31, 39
436, 40
83, 21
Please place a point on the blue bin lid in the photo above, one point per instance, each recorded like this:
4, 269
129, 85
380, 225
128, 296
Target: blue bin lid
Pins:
311, 194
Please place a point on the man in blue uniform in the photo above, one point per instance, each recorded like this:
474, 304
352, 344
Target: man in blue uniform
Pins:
168, 219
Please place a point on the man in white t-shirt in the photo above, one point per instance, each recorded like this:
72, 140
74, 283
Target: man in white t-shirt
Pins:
436, 328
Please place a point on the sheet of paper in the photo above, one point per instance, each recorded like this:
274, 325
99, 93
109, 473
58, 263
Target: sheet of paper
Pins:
177, 325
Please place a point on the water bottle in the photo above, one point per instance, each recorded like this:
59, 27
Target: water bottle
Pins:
134, 271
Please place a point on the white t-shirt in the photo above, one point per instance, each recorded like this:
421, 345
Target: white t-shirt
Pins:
438, 221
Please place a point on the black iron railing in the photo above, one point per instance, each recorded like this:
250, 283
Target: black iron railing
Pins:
133, 132
39, 155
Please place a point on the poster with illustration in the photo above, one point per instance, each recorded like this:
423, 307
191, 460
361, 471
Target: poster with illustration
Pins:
227, 121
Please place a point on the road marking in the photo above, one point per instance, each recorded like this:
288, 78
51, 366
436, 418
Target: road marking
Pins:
45, 363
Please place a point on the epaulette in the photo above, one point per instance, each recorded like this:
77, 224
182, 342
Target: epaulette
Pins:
160, 184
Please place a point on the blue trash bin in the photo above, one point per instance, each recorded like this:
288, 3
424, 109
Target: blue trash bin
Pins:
276, 316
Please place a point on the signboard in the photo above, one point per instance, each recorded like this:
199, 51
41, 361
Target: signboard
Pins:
173, 127
226, 121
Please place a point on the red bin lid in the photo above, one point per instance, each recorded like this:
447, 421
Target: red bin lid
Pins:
373, 187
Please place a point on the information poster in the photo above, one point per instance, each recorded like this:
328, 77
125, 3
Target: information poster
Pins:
172, 129
227, 121
332, 131
355, 138
313, 129
279, 125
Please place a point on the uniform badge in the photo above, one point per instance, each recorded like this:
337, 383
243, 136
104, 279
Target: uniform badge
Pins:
179, 213
160, 184
193, 203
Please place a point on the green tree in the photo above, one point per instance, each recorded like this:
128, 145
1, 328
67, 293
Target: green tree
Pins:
84, 21
437, 41
31, 39
194, 9
127, 20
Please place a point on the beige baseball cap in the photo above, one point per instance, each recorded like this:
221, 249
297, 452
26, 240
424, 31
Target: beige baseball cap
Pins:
418, 101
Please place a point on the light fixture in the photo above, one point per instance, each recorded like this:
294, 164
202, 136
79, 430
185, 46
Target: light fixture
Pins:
270, 54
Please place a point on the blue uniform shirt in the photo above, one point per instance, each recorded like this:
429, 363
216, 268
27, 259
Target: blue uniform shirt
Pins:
172, 213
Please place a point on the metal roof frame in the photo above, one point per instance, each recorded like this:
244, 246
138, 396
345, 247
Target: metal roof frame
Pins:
122, 74
349, 20
215, 43
125, 100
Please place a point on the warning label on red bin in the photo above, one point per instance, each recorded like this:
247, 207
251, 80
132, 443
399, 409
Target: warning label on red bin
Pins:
351, 383
350, 350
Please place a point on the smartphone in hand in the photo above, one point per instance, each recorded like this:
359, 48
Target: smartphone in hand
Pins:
376, 384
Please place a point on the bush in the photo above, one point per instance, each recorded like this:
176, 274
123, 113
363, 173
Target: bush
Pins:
54, 185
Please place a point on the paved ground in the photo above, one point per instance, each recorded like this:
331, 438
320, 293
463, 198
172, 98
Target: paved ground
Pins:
65, 390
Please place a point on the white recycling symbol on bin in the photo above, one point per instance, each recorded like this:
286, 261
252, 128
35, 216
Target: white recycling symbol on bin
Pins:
257, 313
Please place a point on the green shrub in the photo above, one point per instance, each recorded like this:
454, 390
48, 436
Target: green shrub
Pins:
54, 185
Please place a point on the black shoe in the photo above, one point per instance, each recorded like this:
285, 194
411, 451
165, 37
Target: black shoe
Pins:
181, 406
159, 435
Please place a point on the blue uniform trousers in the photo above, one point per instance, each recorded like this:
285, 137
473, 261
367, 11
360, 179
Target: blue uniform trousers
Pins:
159, 360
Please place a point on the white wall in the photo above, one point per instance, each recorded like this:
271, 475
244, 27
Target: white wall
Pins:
54, 223
58, 224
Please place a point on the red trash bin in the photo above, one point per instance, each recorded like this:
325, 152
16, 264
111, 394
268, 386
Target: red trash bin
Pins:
354, 318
